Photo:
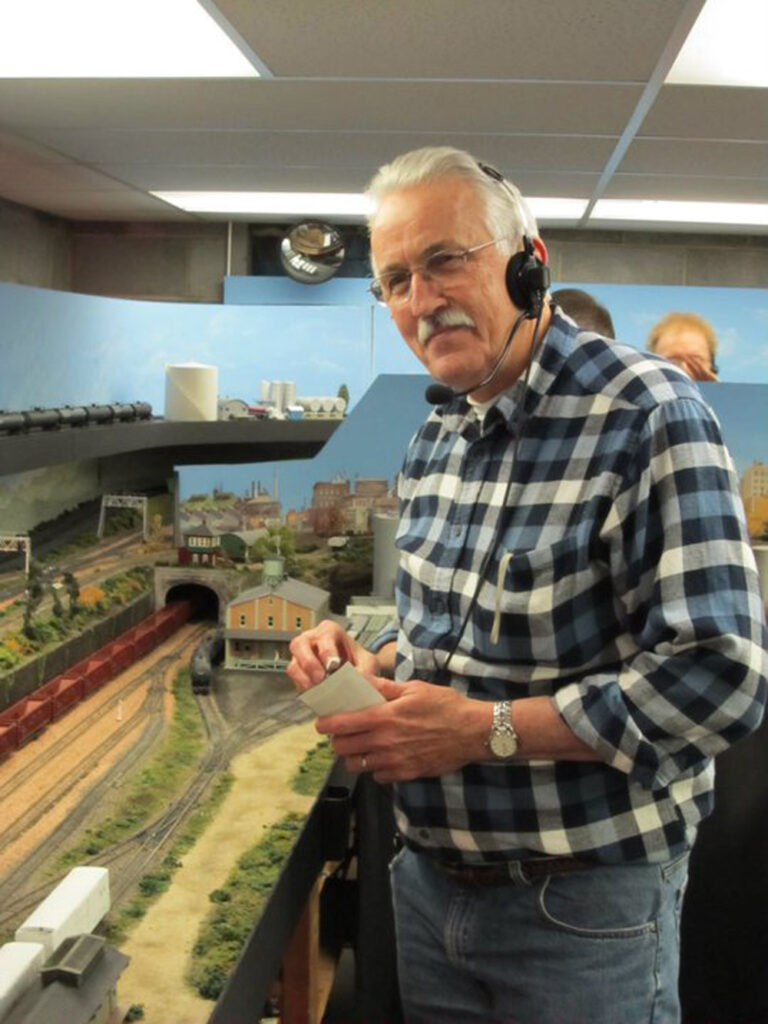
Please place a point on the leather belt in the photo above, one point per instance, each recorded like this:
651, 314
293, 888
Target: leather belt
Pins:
532, 870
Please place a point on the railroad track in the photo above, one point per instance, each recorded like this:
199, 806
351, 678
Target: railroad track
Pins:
136, 854
150, 712
182, 642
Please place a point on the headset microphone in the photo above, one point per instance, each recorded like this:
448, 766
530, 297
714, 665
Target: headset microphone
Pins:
439, 394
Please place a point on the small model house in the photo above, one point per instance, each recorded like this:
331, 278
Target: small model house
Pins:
200, 546
261, 622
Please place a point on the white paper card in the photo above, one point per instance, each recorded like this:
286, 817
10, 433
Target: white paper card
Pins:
343, 690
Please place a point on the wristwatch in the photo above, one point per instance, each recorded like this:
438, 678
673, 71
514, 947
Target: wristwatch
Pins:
502, 741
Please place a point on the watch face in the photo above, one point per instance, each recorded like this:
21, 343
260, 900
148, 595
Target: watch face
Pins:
503, 744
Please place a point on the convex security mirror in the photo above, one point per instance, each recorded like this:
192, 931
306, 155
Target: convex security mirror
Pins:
312, 252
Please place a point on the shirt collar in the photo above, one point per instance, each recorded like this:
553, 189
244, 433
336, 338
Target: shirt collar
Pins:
553, 349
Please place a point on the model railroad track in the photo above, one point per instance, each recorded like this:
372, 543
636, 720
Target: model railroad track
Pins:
136, 854
15, 581
151, 711
150, 708
184, 639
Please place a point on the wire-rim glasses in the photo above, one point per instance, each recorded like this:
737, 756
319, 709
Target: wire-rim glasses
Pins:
394, 288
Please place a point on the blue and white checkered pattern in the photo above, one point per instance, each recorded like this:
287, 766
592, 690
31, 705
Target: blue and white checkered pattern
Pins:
629, 595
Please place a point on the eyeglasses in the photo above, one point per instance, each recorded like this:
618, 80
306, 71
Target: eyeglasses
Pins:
394, 288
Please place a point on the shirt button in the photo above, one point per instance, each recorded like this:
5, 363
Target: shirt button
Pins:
438, 606
457, 531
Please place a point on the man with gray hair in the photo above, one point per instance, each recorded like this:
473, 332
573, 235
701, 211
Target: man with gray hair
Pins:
579, 632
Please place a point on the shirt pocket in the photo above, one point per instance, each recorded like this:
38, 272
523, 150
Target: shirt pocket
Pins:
541, 606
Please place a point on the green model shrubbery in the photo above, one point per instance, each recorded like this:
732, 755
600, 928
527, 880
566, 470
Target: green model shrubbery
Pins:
91, 604
238, 903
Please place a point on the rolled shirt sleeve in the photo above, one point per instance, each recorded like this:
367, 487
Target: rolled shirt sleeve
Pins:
693, 676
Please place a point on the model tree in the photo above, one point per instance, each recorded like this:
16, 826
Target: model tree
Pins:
34, 594
58, 607
73, 591
343, 392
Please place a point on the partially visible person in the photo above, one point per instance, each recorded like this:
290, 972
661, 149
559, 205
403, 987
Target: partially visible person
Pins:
687, 340
585, 310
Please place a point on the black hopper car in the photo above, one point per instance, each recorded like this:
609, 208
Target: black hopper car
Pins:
208, 653
73, 416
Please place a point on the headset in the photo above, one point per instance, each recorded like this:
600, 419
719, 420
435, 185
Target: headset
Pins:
527, 280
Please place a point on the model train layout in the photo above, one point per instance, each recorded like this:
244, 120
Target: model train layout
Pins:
26, 718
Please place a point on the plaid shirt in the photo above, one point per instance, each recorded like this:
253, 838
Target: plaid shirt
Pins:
625, 590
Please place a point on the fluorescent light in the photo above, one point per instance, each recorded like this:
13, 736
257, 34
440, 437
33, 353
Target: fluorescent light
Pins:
666, 210
555, 208
116, 39
726, 46
328, 204
280, 204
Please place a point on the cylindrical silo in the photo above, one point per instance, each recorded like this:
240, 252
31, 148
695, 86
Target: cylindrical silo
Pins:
385, 555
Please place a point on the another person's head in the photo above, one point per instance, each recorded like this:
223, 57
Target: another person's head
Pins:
585, 310
687, 340
442, 230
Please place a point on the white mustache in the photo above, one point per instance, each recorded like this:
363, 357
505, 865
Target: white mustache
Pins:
429, 325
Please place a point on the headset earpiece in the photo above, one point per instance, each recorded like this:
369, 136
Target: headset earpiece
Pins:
527, 279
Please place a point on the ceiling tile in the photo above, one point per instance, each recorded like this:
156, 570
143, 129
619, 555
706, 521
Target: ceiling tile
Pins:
708, 112
574, 40
704, 187
32, 107
697, 158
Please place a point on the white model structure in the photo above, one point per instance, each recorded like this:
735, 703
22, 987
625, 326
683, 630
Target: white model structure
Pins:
17, 542
74, 907
322, 407
56, 970
20, 964
281, 399
233, 409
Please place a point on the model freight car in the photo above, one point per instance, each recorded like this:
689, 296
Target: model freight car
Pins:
72, 416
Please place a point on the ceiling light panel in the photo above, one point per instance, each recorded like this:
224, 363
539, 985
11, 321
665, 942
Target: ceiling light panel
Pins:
661, 211
328, 204
726, 46
116, 39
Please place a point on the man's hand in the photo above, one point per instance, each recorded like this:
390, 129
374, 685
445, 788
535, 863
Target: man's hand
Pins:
323, 649
422, 731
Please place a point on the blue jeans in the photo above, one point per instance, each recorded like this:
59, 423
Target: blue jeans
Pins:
599, 946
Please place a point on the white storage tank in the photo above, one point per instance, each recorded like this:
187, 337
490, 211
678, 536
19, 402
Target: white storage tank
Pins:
386, 557
75, 907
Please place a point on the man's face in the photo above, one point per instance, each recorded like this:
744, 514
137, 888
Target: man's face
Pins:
414, 222
687, 347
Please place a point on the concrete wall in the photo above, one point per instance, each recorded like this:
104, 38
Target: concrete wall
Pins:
34, 248
171, 262
644, 257
186, 262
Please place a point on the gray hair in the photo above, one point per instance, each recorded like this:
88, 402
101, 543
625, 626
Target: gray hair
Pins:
507, 215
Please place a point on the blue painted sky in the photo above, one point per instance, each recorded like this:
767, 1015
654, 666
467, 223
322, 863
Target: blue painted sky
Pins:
372, 441
62, 348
